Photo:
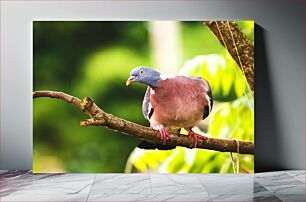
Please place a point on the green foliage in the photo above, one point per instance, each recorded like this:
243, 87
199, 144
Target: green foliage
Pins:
100, 69
247, 27
233, 120
197, 39
184, 160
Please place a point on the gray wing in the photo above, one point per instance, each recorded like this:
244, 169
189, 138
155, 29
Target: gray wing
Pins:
208, 95
208, 108
146, 105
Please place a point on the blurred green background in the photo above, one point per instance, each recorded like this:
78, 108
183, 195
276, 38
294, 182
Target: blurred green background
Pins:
94, 59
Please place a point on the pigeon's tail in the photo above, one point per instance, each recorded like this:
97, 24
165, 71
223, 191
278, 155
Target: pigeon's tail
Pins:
149, 145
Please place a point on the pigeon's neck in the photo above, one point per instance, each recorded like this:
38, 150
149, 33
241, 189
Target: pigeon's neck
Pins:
153, 83
153, 80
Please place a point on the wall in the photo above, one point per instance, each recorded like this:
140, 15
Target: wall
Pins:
280, 67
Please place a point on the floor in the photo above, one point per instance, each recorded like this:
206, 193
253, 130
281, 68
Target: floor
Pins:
271, 186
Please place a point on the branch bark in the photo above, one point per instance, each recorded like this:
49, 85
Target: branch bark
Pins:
235, 41
100, 118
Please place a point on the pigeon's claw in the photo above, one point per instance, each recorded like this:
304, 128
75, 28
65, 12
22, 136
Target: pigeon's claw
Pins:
164, 135
196, 137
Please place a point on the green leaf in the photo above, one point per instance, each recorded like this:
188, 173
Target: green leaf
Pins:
233, 120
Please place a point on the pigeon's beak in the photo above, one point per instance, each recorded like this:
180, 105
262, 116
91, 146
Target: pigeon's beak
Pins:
130, 80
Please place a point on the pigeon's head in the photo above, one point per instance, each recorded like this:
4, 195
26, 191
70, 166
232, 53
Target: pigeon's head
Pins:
144, 75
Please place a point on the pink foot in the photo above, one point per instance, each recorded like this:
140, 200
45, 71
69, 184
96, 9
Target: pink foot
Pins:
164, 135
196, 137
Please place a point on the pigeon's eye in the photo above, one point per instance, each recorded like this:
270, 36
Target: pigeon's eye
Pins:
141, 71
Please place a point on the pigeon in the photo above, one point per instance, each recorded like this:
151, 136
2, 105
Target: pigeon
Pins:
172, 102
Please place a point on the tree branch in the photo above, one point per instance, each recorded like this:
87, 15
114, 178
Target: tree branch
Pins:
235, 41
100, 118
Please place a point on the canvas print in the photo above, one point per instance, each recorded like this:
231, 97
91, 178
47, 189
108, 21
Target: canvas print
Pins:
143, 96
